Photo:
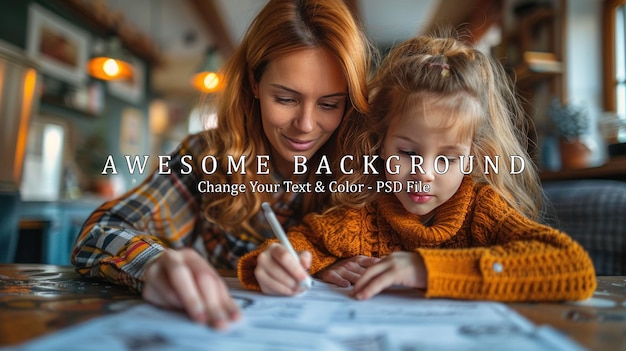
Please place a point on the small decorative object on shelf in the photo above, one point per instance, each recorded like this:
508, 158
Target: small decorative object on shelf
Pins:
613, 128
572, 126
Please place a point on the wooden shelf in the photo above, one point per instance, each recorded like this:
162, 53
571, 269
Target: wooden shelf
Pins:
539, 15
61, 103
528, 78
527, 25
106, 22
615, 168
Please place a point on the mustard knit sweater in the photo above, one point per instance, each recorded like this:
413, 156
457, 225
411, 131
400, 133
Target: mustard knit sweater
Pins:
476, 247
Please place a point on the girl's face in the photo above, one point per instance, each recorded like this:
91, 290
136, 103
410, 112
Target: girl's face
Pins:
303, 99
417, 132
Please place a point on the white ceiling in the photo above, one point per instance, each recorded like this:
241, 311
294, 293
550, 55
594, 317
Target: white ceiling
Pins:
182, 38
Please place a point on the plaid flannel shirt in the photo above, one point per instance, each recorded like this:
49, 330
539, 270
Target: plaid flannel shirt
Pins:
123, 235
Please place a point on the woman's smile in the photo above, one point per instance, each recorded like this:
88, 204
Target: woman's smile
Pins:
299, 144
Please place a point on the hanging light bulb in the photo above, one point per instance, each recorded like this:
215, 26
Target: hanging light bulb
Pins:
111, 64
208, 79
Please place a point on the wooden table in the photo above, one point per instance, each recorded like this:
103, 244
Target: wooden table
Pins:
598, 323
39, 299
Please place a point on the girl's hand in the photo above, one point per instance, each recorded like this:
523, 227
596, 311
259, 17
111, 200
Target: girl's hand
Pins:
184, 280
278, 272
347, 271
399, 268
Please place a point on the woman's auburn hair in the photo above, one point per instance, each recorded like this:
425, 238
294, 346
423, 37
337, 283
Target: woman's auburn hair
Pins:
281, 28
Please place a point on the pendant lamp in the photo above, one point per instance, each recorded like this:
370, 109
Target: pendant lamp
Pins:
111, 63
208, 79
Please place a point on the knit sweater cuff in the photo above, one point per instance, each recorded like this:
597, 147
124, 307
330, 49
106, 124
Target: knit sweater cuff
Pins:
470, 275
450, 275
245, 270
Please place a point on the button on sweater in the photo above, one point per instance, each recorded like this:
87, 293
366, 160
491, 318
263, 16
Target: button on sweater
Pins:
476, 247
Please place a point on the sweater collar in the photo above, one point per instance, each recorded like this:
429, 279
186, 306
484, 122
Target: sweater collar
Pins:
446, 222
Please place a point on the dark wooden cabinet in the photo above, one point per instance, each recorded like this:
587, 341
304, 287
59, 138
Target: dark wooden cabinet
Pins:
48, 229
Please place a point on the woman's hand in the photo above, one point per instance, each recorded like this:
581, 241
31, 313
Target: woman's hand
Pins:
184, 280
278, 272
399, 268
347, 271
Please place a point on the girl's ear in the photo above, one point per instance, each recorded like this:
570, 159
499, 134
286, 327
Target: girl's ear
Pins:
254, 84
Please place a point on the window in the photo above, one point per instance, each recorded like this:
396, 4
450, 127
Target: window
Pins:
615, 57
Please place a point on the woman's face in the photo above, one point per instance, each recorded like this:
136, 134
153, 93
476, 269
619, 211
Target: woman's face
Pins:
303, 99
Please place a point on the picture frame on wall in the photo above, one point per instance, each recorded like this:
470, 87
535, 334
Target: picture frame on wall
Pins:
130, 89
60, 48
132, 132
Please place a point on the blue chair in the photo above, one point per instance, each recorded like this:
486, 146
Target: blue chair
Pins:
9, 225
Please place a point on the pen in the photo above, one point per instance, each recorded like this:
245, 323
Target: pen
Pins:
282, 237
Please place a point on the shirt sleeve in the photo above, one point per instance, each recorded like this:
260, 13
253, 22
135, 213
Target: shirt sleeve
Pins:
512, 259
122, 236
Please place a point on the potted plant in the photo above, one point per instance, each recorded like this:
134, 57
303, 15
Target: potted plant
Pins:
572, 126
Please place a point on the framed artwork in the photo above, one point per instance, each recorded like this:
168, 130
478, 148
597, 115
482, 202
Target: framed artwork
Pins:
131, 132
60, 48
130, 89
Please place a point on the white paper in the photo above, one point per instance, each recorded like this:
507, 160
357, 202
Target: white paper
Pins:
324, 318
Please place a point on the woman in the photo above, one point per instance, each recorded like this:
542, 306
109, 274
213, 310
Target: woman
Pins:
295, 82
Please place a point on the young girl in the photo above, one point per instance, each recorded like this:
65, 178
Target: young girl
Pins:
293, 83
456, 228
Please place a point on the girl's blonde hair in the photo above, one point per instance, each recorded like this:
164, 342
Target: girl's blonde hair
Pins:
478, 93
282, 27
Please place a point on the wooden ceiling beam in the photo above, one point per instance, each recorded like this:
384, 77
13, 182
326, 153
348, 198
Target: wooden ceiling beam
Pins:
106, 22
212, 18
471, 17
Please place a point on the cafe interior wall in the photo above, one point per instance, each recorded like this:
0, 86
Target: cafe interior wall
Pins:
583, 76
104, 124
